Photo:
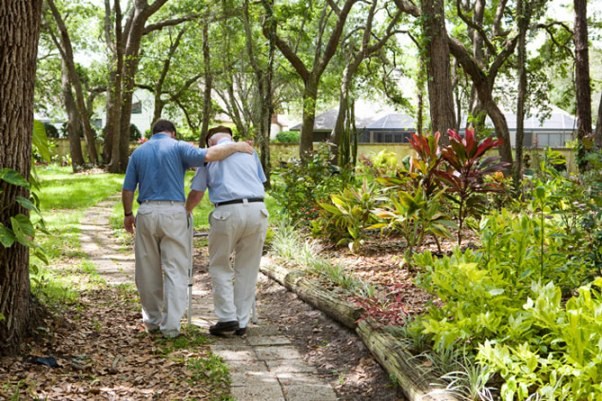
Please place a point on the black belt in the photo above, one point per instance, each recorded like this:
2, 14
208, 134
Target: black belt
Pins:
231, 202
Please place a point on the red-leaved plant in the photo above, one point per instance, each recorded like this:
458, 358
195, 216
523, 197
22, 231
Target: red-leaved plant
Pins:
465, 170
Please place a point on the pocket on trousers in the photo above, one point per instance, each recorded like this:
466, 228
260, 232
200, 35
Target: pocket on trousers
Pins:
217, 215
265, 213
144, 211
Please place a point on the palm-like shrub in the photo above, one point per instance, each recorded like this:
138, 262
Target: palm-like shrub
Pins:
464, 173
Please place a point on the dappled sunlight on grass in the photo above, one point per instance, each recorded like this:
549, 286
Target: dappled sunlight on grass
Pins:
61, 189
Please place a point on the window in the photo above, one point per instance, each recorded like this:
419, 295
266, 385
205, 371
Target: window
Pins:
137, 108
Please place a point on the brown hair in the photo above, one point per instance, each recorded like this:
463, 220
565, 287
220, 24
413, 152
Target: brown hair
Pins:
220, 129
163, 126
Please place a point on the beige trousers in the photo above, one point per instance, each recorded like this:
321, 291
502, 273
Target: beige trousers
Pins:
163, 257
237, 230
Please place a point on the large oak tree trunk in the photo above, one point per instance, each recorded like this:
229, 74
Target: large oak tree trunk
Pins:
19, 33
439, 82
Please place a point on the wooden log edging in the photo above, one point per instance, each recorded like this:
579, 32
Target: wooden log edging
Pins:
416, 384
411, 378
307, 289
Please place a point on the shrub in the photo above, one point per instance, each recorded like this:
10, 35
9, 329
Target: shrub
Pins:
288, 137
298, 187
344, 217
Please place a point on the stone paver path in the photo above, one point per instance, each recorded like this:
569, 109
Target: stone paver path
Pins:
264, 366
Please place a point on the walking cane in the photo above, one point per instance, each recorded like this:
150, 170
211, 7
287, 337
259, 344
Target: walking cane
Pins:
190, 233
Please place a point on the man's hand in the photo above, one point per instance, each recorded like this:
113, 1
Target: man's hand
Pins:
129, 222
245, 147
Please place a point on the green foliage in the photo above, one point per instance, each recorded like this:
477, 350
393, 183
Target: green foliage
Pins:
22, 228
288, 137
575, 206
494, 303
564, 361
288, 245
299, 187
344, 218
39, 142
413, 215
385, 163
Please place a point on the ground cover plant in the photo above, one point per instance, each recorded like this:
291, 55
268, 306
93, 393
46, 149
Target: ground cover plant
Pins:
510, 308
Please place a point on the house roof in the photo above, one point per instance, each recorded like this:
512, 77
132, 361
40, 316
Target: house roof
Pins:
372, 118
365, 113
558, 120
393, 121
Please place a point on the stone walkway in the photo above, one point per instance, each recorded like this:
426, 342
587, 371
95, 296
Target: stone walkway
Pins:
263, 366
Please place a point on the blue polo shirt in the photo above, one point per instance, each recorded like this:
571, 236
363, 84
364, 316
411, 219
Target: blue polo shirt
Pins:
236, 177
157, 168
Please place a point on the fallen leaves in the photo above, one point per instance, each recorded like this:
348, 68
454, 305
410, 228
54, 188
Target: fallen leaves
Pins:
103, 353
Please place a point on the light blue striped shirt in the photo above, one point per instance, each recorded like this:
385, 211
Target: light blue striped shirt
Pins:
238, 176
158, 167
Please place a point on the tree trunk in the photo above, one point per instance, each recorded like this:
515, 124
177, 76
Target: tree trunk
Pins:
113, 37
264, 86
19, 30
66, 50
524, 16
125, 46
73, 125
439, 82
582, 82
484, 91
310, 95
598, 134
340, 141
208, 85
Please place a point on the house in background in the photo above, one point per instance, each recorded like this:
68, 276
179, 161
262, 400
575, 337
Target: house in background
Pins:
143, 104
395, 127
365, 114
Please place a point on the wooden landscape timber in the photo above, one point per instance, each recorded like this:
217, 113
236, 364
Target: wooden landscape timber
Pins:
311, 292
413, 380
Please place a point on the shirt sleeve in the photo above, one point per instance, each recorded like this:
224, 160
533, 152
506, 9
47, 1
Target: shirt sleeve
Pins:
131, 176
199, 181
260, 172
191, 155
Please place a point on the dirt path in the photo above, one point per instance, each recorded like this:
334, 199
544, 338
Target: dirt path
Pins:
294, 352
98, 242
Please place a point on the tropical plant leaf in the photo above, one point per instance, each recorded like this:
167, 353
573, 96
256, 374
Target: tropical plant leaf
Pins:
27, 204
13, 177
23, 229
7, 238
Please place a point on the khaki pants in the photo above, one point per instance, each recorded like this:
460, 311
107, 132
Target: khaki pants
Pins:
236, 230
163, 257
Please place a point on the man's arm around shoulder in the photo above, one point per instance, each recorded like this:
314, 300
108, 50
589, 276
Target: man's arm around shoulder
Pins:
221, 151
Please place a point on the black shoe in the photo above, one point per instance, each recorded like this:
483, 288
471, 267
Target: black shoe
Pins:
223, 327
241, 332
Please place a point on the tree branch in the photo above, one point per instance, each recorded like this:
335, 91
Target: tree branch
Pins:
171, 22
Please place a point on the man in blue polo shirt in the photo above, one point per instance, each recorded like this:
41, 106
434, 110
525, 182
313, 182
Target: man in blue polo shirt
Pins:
239, 224
163, 229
